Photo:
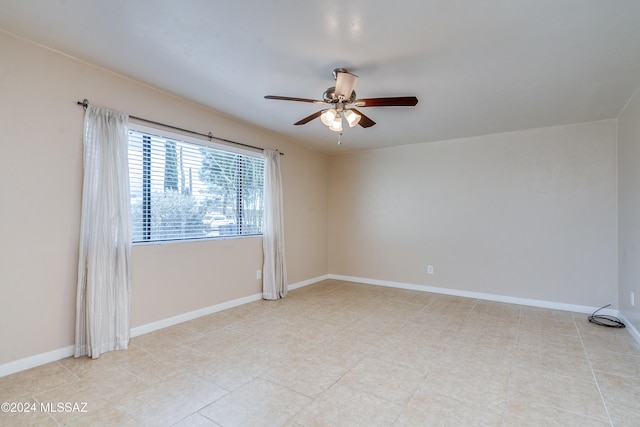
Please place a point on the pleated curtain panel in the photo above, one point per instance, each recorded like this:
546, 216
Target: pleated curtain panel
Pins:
274, 272
104, 278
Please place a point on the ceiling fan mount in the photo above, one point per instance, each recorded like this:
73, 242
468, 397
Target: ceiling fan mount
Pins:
342, 99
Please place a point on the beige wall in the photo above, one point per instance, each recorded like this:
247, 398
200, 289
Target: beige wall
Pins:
524, 214
629, 209
41, 175
528, 214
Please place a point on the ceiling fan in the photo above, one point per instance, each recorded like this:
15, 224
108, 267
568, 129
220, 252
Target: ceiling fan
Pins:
341, 100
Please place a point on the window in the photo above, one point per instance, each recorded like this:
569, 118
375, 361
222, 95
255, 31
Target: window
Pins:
183, 189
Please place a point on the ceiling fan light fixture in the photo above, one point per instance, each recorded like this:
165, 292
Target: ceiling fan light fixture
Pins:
352, 117
328, 116
336, 125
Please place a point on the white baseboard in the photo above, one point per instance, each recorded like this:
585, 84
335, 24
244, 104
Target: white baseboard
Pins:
477, 295
54, 355
632, 329
307, 282
184, 317
164, 323
33, 361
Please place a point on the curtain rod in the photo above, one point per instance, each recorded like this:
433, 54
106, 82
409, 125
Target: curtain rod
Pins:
85, 104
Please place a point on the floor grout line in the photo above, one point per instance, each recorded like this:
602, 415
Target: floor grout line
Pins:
595, 379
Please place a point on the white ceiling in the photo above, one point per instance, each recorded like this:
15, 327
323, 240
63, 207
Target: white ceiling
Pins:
477, 67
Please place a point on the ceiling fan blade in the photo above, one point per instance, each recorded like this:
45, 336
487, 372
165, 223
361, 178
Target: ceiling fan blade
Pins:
396, 101
309, 118
288, 98
365, 121
345, 84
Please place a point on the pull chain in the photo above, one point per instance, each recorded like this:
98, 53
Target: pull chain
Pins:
340, 139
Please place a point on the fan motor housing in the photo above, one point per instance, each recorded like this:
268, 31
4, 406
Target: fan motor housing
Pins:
331, 97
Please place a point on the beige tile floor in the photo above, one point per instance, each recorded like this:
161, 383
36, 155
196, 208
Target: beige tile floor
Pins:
345, 354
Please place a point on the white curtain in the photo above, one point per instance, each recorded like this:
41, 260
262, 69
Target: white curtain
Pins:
104, 278
274, 272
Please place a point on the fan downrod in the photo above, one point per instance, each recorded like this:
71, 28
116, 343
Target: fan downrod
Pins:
338, 70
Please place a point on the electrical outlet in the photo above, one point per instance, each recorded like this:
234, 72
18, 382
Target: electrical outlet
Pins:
633, 299
258, 274
430, 269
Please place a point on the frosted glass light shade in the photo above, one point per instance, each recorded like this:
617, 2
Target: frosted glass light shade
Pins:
328, 116
352, 117
336, 125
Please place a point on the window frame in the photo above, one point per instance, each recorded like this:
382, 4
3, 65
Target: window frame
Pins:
168, 135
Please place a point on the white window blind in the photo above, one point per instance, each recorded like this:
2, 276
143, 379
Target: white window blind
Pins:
182, 190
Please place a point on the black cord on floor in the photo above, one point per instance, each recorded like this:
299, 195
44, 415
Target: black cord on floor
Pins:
605, 320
